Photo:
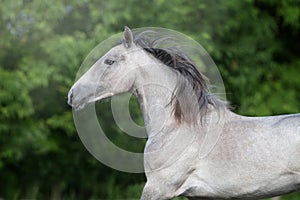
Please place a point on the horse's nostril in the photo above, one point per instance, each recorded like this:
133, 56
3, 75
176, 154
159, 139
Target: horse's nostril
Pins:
70, 97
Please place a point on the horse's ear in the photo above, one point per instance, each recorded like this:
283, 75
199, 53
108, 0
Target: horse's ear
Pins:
128, 37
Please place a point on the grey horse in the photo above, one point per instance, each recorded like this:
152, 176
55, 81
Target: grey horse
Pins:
196, 146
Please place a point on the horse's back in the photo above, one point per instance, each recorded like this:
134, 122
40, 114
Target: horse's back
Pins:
292, 122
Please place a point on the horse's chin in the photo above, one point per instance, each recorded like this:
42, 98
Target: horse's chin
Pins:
81, 106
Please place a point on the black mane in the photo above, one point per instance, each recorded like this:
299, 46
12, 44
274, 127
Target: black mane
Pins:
183, 107
188, 70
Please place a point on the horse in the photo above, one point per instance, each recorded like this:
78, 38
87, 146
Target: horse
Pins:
196, 147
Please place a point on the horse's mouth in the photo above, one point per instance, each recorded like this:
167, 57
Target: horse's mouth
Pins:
80, 105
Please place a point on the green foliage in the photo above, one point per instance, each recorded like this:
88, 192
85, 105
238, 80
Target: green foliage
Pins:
42, 44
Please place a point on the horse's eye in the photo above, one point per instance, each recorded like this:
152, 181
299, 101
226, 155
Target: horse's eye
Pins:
109, 62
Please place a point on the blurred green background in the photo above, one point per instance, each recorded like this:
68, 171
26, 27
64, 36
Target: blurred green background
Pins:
255, 44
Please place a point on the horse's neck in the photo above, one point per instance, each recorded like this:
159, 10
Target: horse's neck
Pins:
167, 138
154, 89
156, 109
154, 98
